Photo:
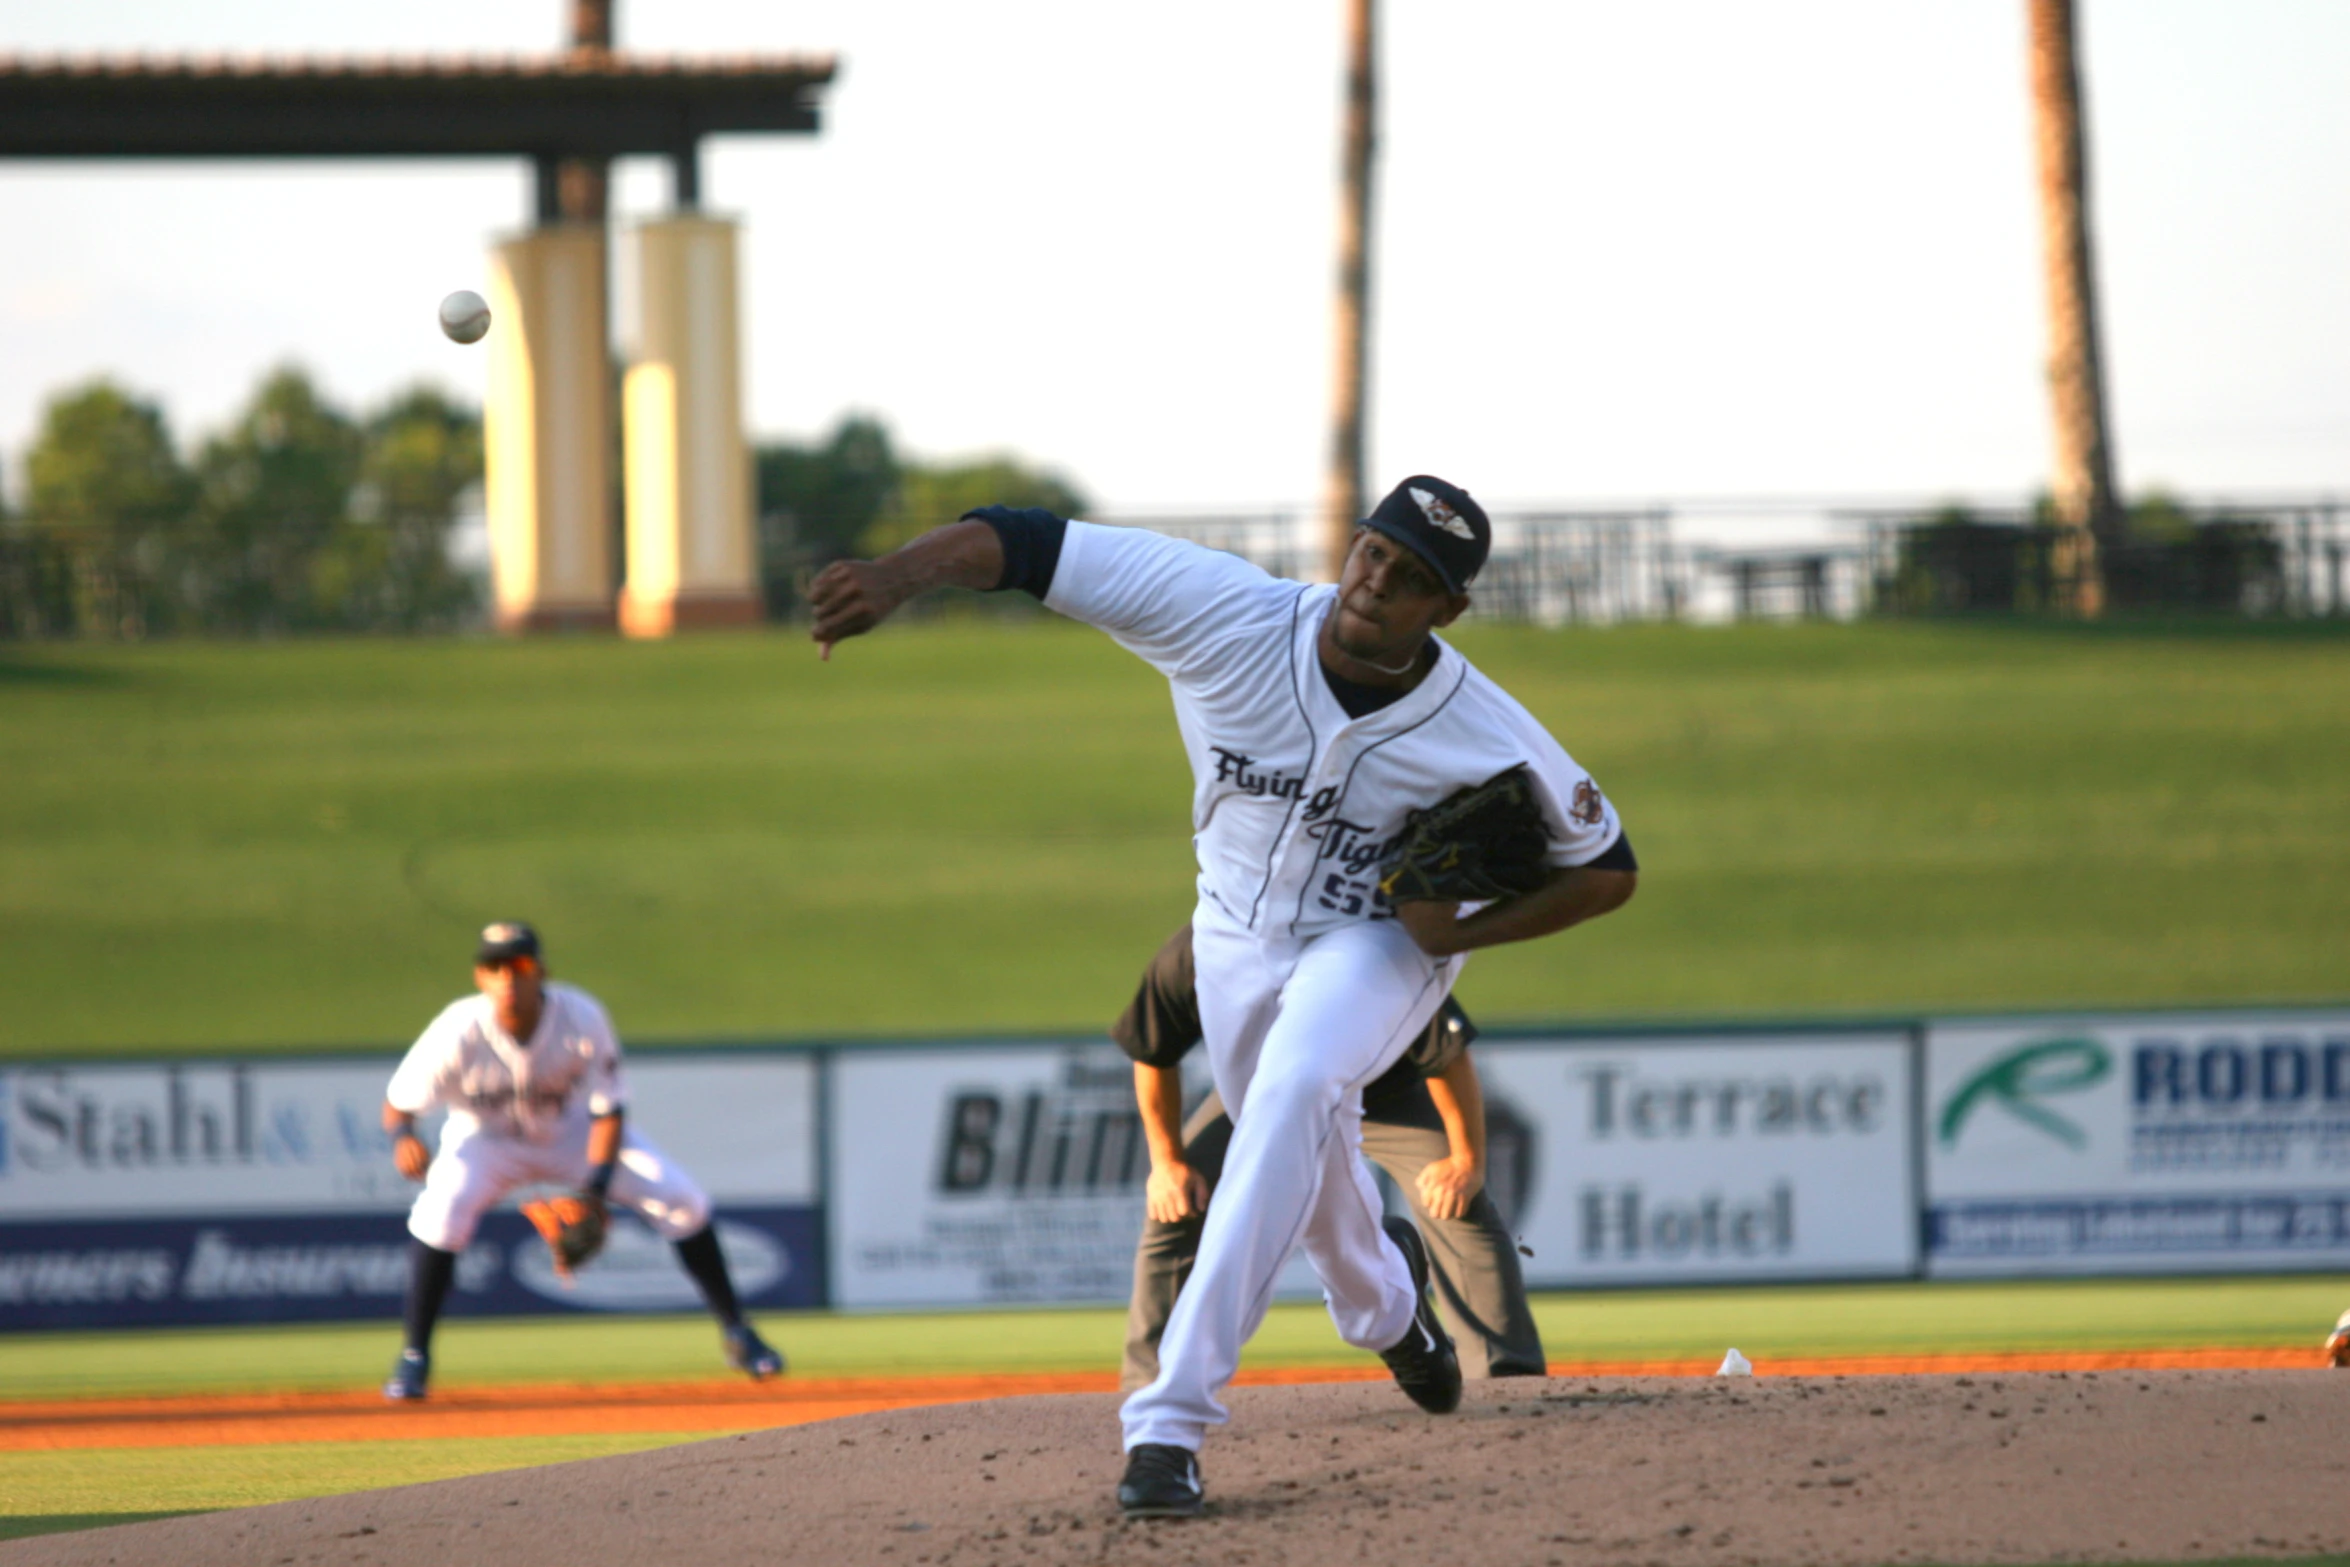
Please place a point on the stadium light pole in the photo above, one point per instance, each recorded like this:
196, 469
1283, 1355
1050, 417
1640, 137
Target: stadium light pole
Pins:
2082, 484
1342, 492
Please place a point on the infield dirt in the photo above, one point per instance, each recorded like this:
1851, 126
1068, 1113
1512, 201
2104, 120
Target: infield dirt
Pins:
2098, 1466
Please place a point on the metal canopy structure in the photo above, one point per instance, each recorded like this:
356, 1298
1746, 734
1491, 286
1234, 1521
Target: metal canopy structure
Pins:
595, 104
547, 420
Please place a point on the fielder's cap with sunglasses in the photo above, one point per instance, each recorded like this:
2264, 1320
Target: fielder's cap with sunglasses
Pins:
1439, 522
506, 942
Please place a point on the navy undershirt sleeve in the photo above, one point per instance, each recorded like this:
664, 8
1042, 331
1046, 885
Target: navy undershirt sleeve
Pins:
1031, 538
1618, 856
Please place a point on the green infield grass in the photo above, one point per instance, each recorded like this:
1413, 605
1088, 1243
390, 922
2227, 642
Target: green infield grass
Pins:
974, 825
1792, 1320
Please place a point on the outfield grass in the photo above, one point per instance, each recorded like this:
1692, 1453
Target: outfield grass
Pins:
964, 826
1779, 1321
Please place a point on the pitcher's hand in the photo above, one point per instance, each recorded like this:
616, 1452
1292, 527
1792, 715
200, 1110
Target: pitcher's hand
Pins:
850, 598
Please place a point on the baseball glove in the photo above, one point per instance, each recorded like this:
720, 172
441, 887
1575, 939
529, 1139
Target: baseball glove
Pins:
1482, 842
573, 1228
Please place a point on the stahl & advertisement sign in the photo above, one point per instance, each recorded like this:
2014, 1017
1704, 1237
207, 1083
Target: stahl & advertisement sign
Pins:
264, 1190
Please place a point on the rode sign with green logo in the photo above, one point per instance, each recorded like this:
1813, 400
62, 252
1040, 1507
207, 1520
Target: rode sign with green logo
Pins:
2137, 1144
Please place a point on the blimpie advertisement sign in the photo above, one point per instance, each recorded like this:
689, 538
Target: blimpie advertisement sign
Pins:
970, 1176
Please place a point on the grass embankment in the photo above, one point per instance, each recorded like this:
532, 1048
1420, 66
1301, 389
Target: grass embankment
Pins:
961, 827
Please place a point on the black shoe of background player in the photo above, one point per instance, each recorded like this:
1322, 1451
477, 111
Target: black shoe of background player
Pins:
749, 1353
1162, 1481
408, 1377
1424, 1364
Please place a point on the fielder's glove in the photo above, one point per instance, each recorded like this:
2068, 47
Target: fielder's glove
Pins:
1484, 842
573, 1228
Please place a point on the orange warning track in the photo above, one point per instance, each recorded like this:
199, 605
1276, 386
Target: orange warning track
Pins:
562, 1409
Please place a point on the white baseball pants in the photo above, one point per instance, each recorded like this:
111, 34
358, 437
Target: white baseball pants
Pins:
474, 1169
1294, 1030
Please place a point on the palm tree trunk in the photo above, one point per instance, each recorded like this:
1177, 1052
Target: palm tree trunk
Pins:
2082, 484
585, 182
1342, 491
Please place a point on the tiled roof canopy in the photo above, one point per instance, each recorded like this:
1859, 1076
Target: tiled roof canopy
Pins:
585, 103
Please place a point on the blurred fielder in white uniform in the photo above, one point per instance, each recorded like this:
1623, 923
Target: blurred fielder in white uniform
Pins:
1315, 718
529, 1071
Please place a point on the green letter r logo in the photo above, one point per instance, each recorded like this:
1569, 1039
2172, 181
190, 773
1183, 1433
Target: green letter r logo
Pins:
2048, 1066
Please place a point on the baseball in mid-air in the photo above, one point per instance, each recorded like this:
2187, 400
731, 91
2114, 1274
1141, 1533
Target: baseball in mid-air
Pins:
465, 316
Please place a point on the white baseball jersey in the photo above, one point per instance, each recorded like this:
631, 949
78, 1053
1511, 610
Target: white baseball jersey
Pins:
565, 1073
1294, 802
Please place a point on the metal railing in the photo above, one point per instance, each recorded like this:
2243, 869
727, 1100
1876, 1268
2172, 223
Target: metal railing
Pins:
2267, 558
1550, 568
1600, 566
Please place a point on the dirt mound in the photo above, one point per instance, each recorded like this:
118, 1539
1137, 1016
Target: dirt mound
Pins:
2038, 1467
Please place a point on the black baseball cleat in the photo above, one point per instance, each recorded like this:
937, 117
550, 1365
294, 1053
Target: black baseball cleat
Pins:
408, 1375
1162, 1481
751, 1354
1424, 1363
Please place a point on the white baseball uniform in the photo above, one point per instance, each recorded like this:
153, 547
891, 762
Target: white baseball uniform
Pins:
519, 1113
1308, 987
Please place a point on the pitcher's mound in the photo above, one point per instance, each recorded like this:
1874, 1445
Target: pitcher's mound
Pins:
2086, 1466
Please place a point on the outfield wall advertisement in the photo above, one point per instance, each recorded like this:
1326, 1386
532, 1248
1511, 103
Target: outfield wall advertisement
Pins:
967, 1177
1009, 1175
2136, 1144
1005, 1172
1704, 1159
264, 1190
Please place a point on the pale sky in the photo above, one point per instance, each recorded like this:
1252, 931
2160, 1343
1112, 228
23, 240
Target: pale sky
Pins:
1674, 249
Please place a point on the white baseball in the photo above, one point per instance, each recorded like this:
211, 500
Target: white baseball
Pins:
465, 316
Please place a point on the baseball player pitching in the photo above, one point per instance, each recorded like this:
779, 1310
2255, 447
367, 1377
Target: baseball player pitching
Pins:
1318, 721
529, 1071
1423, 1123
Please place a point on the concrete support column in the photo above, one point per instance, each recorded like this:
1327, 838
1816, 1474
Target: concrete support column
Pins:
547, 431
692, 560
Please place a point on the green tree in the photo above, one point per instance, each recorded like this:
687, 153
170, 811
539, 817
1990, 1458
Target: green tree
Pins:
106, 491
851, 494
929, 496
818, 500
276, 492
388, 566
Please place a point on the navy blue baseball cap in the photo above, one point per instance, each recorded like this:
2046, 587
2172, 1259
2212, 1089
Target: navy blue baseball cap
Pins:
1439, 522
505, 941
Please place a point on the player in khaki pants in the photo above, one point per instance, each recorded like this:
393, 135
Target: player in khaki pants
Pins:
1439, 1167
